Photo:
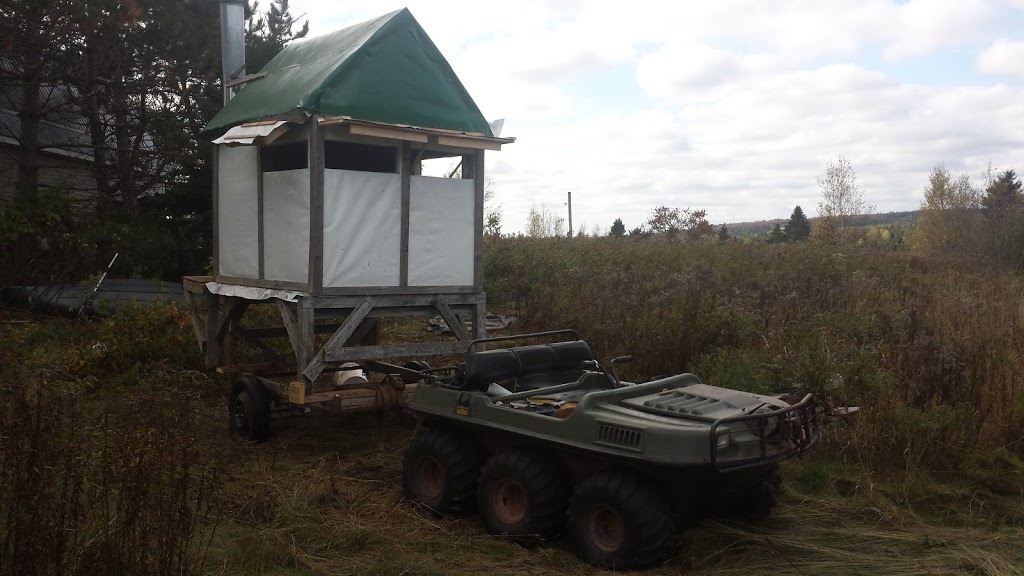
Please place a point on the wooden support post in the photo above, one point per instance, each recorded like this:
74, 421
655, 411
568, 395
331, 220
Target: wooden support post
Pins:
403, 257
479, 324
233, 311
290, 319
478, 220
260, 250
196, 316
216, 210
305, 340
316, 207
346, 330
212, 329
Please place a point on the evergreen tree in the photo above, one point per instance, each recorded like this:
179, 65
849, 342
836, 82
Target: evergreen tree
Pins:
618, 229
723, 233
269, 32
776, 235
1003, 193
798, 228
1003, 202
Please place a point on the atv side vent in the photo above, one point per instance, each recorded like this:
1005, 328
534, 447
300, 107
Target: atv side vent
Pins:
620, 437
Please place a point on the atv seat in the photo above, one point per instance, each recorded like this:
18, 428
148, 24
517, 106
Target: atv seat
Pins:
486, 367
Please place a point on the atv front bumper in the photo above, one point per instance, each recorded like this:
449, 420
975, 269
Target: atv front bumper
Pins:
752, 440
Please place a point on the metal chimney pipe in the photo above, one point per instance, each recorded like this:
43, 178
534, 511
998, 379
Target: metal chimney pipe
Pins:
232, 43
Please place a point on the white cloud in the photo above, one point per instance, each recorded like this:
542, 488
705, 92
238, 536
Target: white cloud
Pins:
921, 26
1002, 58
736, 105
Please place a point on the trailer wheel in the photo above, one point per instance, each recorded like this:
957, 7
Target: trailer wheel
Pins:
761, 497
524, 495
249, 409
620, 521
440, 470
417, 365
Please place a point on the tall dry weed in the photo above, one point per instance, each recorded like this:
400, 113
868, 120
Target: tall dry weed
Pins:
932, 349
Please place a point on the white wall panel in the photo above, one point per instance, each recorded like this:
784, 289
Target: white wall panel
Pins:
286, 225
237, 209
441, 231
362, 228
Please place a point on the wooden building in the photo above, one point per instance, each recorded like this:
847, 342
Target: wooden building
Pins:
320, 208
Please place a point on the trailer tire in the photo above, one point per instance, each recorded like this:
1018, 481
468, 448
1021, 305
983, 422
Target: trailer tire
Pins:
249, 409
440, 470
417, 365
620, 521
524, 495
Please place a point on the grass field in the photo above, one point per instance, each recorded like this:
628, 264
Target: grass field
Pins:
323, 497
115, 458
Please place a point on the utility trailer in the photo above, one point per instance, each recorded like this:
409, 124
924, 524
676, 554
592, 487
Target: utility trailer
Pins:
544, 440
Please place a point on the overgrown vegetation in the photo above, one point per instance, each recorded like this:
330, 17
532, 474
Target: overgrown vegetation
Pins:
933, 351
128, 488
117, 456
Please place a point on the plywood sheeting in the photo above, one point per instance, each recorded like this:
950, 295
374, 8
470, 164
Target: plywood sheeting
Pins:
237, 207
286, 225
441, 229
362, 228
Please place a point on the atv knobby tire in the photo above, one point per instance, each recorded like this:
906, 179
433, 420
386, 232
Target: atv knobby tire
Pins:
762, 496
524, 495
620, 521
440, 470
249, 409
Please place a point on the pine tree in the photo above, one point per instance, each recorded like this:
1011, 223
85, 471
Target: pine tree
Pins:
618, 229
723, 233
1003, 193
798, 228
267, 33
776, 235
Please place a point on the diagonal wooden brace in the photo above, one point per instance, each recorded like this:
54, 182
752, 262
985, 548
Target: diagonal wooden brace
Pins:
338, 340
451, 318
289, 317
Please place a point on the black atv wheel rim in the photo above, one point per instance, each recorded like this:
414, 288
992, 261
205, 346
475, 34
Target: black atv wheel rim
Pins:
430, 479
509, 501
605, 530
240, 416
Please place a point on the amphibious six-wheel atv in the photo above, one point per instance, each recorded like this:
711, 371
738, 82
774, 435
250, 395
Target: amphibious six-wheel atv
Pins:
543, 440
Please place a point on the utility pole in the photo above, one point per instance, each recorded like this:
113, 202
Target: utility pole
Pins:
570, 214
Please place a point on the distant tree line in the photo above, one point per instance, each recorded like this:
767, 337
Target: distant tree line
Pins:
959, 218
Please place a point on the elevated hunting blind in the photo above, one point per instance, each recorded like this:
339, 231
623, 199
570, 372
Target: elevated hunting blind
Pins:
320, 207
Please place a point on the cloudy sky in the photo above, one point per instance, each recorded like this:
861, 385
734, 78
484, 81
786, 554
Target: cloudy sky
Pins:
732, 106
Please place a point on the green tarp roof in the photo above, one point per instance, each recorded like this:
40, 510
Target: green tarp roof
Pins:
385, 70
